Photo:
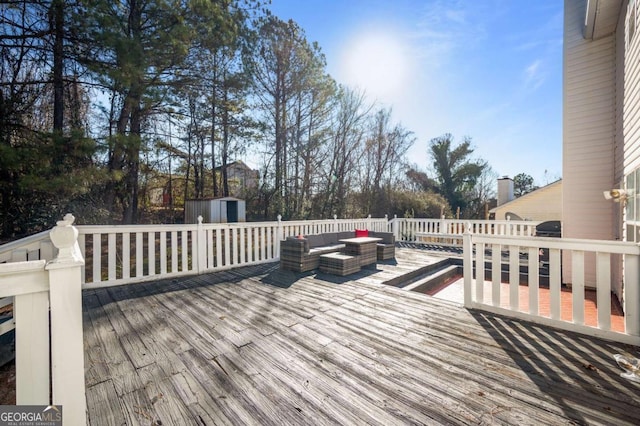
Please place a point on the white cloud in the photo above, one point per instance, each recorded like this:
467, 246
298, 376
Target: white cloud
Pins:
534, 75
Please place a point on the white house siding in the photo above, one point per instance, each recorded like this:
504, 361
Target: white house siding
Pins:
589, 124
632, 101
540, 205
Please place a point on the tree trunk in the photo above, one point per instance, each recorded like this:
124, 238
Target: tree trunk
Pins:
58, 64
213, 126
225, 143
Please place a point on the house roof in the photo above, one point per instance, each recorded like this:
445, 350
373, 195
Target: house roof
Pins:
215, 198
238, 163
525, 196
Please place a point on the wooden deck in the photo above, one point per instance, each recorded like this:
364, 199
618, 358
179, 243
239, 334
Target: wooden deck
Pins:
259, 346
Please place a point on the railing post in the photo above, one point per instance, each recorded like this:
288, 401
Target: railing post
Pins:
394, 227
443, 225
335, 223
632, 294
369, 222
67, 345
202, 247
467, 266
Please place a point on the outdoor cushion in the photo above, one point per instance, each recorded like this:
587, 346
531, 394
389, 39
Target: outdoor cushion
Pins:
387, 237
362, 233
343, 235
315, 240
330, 237
326, 249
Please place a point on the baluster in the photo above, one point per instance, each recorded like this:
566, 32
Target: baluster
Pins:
242, 248
174, 252
151, 253
577, 286
126, 255
534, 279
97, 258
139, 255
555, 281
218, 247
163, 252
603, 288
111, 256
514, 277
496, 274
209, 237
480, 272
184, 244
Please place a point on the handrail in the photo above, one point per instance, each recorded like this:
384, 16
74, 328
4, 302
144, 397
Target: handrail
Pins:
33, 242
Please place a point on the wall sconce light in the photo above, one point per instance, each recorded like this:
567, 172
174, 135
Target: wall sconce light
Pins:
616, 194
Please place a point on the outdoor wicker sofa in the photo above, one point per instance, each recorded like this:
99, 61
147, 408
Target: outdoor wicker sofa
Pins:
302, 253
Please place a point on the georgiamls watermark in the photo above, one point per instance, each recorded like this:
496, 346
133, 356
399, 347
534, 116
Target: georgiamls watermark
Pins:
30, 415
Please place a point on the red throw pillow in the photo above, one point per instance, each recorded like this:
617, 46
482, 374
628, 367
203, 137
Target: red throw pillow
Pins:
362, 233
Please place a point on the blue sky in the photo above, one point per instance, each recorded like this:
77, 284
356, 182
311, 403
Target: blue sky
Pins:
487, 69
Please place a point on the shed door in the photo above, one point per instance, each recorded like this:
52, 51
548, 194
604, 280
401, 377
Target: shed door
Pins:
232, 211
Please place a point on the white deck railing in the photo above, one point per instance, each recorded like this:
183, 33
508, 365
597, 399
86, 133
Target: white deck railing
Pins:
123, 254
118, 255
483, 289
413, 229
47, 318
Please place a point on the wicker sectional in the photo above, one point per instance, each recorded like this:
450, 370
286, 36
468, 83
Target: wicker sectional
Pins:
303, 254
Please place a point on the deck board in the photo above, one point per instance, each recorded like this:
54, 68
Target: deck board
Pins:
256, 345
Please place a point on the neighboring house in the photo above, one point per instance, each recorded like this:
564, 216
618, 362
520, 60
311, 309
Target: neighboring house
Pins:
240, 177
543, 204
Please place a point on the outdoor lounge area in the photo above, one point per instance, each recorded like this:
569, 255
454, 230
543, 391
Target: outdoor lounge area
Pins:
260, 345
340, 253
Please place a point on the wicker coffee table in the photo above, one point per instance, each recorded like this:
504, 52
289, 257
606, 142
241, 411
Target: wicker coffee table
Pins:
339, 264
362, 247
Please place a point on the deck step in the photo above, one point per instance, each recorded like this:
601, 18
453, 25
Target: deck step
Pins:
434, 279
423, 272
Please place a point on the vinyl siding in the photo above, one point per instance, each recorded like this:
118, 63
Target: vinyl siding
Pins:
589, 128
631, 111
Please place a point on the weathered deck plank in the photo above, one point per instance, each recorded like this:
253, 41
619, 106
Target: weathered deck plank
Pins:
257, 345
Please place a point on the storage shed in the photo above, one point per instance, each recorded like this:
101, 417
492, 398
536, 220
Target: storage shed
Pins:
215, 210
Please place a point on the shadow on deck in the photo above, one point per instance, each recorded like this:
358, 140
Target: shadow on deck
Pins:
257, 345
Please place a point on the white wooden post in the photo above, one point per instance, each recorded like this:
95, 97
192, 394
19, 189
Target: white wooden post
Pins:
443, 225
335, 223
31, 316
369, 222
67, 347
394, 227
467, 266
632, 294
201, 247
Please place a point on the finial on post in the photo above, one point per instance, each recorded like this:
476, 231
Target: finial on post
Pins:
64, 237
